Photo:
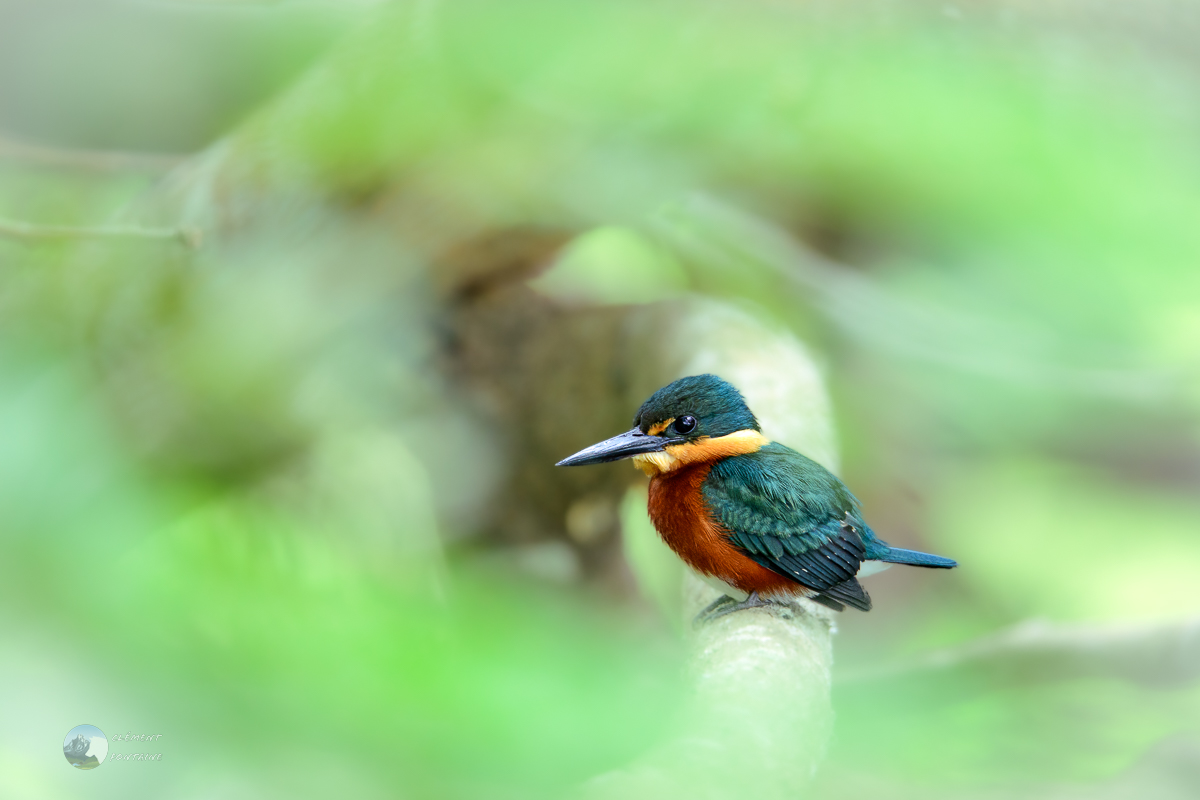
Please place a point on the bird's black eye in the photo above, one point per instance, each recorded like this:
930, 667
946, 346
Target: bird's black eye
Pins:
685, 424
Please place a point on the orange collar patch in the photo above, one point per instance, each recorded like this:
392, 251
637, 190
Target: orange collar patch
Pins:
704, 449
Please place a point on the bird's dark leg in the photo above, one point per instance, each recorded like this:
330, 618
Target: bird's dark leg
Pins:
727, 605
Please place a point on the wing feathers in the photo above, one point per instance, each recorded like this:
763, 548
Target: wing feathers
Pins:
828, 602
793, 517
851, 593
774, 546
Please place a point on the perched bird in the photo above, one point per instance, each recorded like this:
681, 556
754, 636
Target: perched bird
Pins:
753, 517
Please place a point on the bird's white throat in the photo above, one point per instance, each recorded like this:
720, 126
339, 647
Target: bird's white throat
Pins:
656, 463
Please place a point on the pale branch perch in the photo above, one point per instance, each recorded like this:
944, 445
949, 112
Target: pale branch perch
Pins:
1037, 651
759, 718
31, 231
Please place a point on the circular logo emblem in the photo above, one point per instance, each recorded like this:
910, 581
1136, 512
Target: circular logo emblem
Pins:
85, 747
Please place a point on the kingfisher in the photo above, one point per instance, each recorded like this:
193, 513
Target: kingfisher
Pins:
752, 517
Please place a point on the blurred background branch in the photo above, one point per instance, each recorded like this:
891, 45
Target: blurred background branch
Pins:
71, 158
34, 231
1036, 651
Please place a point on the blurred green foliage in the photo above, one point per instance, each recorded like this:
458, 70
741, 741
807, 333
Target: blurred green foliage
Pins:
264, 636
228, 477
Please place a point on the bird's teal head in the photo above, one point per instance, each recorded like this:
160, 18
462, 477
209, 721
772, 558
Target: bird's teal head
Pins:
697, 419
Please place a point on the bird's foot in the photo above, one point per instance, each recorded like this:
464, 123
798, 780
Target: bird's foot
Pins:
727, 605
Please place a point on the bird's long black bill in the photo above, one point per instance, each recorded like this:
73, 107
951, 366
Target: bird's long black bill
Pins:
628, 444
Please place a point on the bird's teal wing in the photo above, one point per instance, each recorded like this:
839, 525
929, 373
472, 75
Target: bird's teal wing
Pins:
794, 517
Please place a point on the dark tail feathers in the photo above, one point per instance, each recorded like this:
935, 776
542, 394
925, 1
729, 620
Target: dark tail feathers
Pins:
896, 555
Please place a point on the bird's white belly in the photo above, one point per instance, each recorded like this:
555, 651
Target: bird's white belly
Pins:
721, 586
867, 568
871, 568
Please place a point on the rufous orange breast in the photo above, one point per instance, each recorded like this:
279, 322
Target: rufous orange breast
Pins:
679, 512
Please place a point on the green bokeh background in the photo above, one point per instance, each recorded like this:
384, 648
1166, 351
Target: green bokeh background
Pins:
241, 506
